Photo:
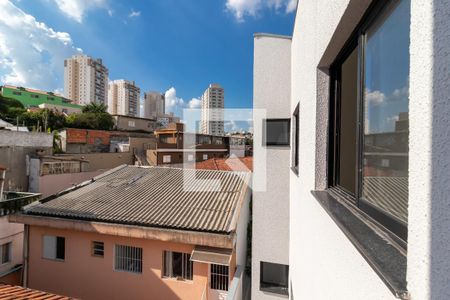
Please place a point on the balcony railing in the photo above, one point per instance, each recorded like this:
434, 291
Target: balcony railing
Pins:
13, 202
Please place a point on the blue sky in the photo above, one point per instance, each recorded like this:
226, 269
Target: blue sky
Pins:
178, 46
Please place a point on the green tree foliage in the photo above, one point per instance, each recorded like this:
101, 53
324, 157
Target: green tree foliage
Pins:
93, 116
10, 109
45, 119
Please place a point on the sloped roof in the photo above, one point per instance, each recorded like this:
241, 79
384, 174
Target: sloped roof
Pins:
244, 164
18, 292
185, 199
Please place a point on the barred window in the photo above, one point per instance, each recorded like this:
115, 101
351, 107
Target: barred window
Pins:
128, 259
178, 265
98, 249
219, 277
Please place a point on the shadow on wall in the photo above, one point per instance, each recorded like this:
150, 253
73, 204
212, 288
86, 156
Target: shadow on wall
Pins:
440, 178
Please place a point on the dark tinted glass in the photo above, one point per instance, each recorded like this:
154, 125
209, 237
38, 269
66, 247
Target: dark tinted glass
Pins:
60, 247
177, 264
274, 278
386, 129
347, 123
277, 132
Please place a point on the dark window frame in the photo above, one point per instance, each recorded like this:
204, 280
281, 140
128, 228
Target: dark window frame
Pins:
269, 120
295, 138
270, 286
187, 266
96, 251
357, 41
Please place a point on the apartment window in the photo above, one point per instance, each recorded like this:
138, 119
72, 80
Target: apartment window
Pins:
205, 156
166, 159
5, 253
98, 249
295, 138
190, 157
128, 259
369, 118
219, 277
276, 132
17, 93
54, 247
274, 278
131, 124
177, 265
34, 96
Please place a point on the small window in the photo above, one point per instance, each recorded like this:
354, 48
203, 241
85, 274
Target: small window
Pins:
166, 159
190, 157
205, 156
128, 259
5, 253
295, 138
274, 278
34, 96
276, 132
17, 93
131, 124
98, 249
178, 265
219, 277
54, 247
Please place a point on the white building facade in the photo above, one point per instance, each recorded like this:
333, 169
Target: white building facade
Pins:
154, 105
123, 98
270, 236
212, 110
369, 180
85, 80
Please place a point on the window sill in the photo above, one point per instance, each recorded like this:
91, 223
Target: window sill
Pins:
379, 247
275, 290
174, 279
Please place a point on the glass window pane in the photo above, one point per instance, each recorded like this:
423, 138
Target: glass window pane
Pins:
277, 132
348, 118
177, 264
386, 98
274, 278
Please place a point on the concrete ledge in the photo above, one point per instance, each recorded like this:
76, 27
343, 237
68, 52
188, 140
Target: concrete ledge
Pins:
278, 36
140, 232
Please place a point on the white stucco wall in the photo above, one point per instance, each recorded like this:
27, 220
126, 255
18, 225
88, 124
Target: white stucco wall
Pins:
428, 271
324, 264
270, 242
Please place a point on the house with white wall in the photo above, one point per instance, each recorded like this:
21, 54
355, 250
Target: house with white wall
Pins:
368, 174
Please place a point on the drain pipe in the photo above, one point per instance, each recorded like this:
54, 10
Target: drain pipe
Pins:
26, 238
2, 180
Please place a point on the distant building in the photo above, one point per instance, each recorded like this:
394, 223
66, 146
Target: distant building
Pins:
154, 105
16, 150
141, 233
174, 147
164, 120
123, 98
212, 110
244, 164
11, 235
128, 123
85, 80
31, 98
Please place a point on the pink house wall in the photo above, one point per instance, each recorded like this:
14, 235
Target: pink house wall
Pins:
85, 276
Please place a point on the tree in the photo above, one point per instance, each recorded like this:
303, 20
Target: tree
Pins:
96, 108
10, 109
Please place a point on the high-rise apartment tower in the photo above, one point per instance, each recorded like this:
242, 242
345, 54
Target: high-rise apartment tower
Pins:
123, 98
212, 110
154, 105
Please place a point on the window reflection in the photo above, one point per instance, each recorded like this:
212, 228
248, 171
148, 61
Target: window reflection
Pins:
386, 98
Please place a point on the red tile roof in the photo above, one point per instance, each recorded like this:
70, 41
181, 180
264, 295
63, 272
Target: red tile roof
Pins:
17, 292
227, 164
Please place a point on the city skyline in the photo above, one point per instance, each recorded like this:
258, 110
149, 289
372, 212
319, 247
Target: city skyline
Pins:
178, 64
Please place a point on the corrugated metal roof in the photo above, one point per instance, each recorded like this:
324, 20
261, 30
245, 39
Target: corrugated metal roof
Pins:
17, 292
155, 197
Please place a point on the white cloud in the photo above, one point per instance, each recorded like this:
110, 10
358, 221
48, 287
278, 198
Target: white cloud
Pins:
195, 103
173, 103
134, 14
242, 8
375, 97
76, 9
31, 53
